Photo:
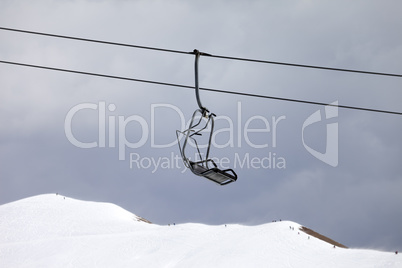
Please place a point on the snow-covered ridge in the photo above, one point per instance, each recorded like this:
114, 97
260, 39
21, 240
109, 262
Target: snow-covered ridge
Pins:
56, 231
53, 215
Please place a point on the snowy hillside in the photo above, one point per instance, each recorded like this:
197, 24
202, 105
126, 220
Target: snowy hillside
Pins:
56, 231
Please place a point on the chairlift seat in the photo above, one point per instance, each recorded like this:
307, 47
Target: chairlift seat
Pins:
221, 177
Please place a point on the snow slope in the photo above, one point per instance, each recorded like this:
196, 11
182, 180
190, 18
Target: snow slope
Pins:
55, 231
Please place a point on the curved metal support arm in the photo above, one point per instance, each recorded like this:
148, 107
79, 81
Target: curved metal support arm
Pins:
197, 88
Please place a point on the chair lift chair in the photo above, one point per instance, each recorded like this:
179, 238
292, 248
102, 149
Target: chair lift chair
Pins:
202, 167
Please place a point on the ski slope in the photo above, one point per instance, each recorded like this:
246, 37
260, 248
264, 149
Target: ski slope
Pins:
55, 231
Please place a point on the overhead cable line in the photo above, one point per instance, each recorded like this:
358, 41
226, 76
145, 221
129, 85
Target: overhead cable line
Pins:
94, 41
307, 66
204, 89
207, 55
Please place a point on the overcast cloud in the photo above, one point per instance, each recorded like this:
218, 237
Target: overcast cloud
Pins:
357, 202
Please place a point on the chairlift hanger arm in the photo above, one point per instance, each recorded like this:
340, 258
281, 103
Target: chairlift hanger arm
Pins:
197, 87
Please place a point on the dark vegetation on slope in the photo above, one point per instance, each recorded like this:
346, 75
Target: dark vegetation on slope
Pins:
322, 237
138, 218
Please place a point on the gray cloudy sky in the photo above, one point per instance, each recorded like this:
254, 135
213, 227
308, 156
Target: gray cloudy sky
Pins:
358, 202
